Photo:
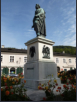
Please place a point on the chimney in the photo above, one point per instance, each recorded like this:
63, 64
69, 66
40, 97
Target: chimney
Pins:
2, 46
63, 51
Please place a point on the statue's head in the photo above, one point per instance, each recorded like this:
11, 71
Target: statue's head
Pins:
37, 6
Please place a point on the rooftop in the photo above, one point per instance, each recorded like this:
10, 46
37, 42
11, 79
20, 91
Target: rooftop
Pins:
63, 54
14, 50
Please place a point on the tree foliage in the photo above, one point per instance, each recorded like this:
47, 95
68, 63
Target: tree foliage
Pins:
68, 49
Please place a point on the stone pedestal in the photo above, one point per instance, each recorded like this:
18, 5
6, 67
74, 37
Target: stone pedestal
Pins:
39, 65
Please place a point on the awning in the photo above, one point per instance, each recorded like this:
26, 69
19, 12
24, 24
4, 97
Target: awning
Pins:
69, 66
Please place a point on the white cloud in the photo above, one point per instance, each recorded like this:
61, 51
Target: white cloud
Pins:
49, 5
69, 14
70, 40
69, 24
72, 29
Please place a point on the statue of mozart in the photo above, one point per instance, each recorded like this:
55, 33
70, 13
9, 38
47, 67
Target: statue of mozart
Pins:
39, 21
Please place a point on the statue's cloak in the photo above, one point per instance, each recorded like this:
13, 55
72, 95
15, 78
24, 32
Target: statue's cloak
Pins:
40, 25
43, 27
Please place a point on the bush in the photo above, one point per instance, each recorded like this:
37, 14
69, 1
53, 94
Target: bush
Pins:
9, 81
72, 72
48, 88
68, 93
66, 76
10, 92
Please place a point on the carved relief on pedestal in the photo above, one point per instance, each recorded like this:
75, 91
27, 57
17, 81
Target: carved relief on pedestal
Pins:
46, 52
32, 51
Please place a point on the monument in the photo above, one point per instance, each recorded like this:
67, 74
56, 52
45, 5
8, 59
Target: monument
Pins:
39, 21
40, 61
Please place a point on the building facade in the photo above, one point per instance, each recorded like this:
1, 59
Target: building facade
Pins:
65, 61
13, 60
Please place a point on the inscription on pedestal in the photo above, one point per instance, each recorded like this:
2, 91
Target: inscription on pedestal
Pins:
30, 73
30, 68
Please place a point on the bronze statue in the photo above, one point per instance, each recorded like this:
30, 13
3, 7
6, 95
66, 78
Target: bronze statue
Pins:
39, 21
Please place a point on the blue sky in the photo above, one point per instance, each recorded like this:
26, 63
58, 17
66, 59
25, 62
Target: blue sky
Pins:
17, 20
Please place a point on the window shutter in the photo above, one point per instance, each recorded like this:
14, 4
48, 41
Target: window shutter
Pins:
19, 70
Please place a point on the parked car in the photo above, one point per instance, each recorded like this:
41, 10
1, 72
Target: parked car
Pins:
13, 75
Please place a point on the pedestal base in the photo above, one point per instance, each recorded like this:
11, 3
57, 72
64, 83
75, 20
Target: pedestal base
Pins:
40, 62
33, 84
40, 72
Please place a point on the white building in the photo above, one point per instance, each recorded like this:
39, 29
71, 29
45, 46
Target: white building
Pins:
13, 60
65, 61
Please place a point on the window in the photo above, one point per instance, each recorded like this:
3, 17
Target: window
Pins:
11, 58
19, 59
25, 59
69, 60
57, 60
64, 61
1, 58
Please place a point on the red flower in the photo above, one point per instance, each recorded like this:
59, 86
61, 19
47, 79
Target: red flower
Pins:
44, 98
5, 84
48, 83
17, 81
24, 81
67, 87
6, 87
67, 83
71, 78
12, 93
56, 90
64, 86
21, 73
7, 93
1, 89
62, 94
59, 88
39, 83
56, 84
40, 88
72, 85
11, 87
